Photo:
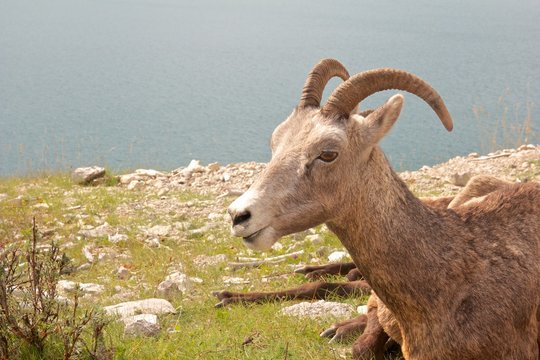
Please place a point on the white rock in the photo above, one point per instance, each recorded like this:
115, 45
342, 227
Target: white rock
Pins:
193, 167
162, 192
338, 256
215, 216
142, 325
106, 253
128, 178
99, 231
182, 225
527, 147
232, 280
91, 288
362, 309
116, 238
135, 185
226, 177
196, 280
152, 242
319, 309
84, 175
88, 253
175, 283
158, 230
316, 239
149, 172
84, 266
66, 286
3, 196
146, 306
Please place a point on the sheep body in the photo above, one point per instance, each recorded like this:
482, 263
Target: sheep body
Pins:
462, 283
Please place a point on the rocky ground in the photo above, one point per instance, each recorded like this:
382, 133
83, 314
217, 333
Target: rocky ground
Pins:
446, 178
150, 246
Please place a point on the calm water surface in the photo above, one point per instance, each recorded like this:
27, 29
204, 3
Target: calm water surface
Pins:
156, 83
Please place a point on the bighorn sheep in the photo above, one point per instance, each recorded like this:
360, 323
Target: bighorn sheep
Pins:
462, 283
379, 324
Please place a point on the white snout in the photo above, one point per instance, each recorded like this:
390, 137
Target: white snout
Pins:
252, 221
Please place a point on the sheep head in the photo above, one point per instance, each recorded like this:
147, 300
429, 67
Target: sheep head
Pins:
317, 152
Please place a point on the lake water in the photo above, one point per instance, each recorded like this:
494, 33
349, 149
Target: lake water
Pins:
156, 83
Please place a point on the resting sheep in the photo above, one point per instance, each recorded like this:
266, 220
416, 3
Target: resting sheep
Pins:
379, 327
462, 283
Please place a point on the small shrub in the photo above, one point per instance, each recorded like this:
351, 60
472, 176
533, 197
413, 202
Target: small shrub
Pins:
32, 314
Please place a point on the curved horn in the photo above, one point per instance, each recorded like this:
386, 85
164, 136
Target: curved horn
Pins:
367, 83
317, 80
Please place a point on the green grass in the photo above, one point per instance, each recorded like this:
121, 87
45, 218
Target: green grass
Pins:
198, 330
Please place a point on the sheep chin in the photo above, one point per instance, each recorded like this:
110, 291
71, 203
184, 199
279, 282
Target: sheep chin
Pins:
262, 240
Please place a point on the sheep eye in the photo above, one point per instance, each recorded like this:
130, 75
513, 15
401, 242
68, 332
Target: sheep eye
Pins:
328, 156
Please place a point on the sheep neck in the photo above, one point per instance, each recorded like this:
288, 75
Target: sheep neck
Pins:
394, 240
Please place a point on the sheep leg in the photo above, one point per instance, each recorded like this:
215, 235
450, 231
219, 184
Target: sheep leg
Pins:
371, 344
315, 272
309, 291
345, 330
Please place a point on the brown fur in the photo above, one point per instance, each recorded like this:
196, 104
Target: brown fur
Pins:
368, 344
462, 283
470, 285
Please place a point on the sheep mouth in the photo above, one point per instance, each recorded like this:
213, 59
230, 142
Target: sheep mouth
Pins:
252, 237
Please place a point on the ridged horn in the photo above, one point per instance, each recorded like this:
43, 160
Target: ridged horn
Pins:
317, 80
367, 83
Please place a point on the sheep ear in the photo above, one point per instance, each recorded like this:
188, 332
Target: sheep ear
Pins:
377, 124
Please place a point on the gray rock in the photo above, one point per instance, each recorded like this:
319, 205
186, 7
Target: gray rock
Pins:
141, 325
319, 310
84, 175
146, 306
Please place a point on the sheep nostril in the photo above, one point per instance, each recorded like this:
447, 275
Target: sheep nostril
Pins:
240, 218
